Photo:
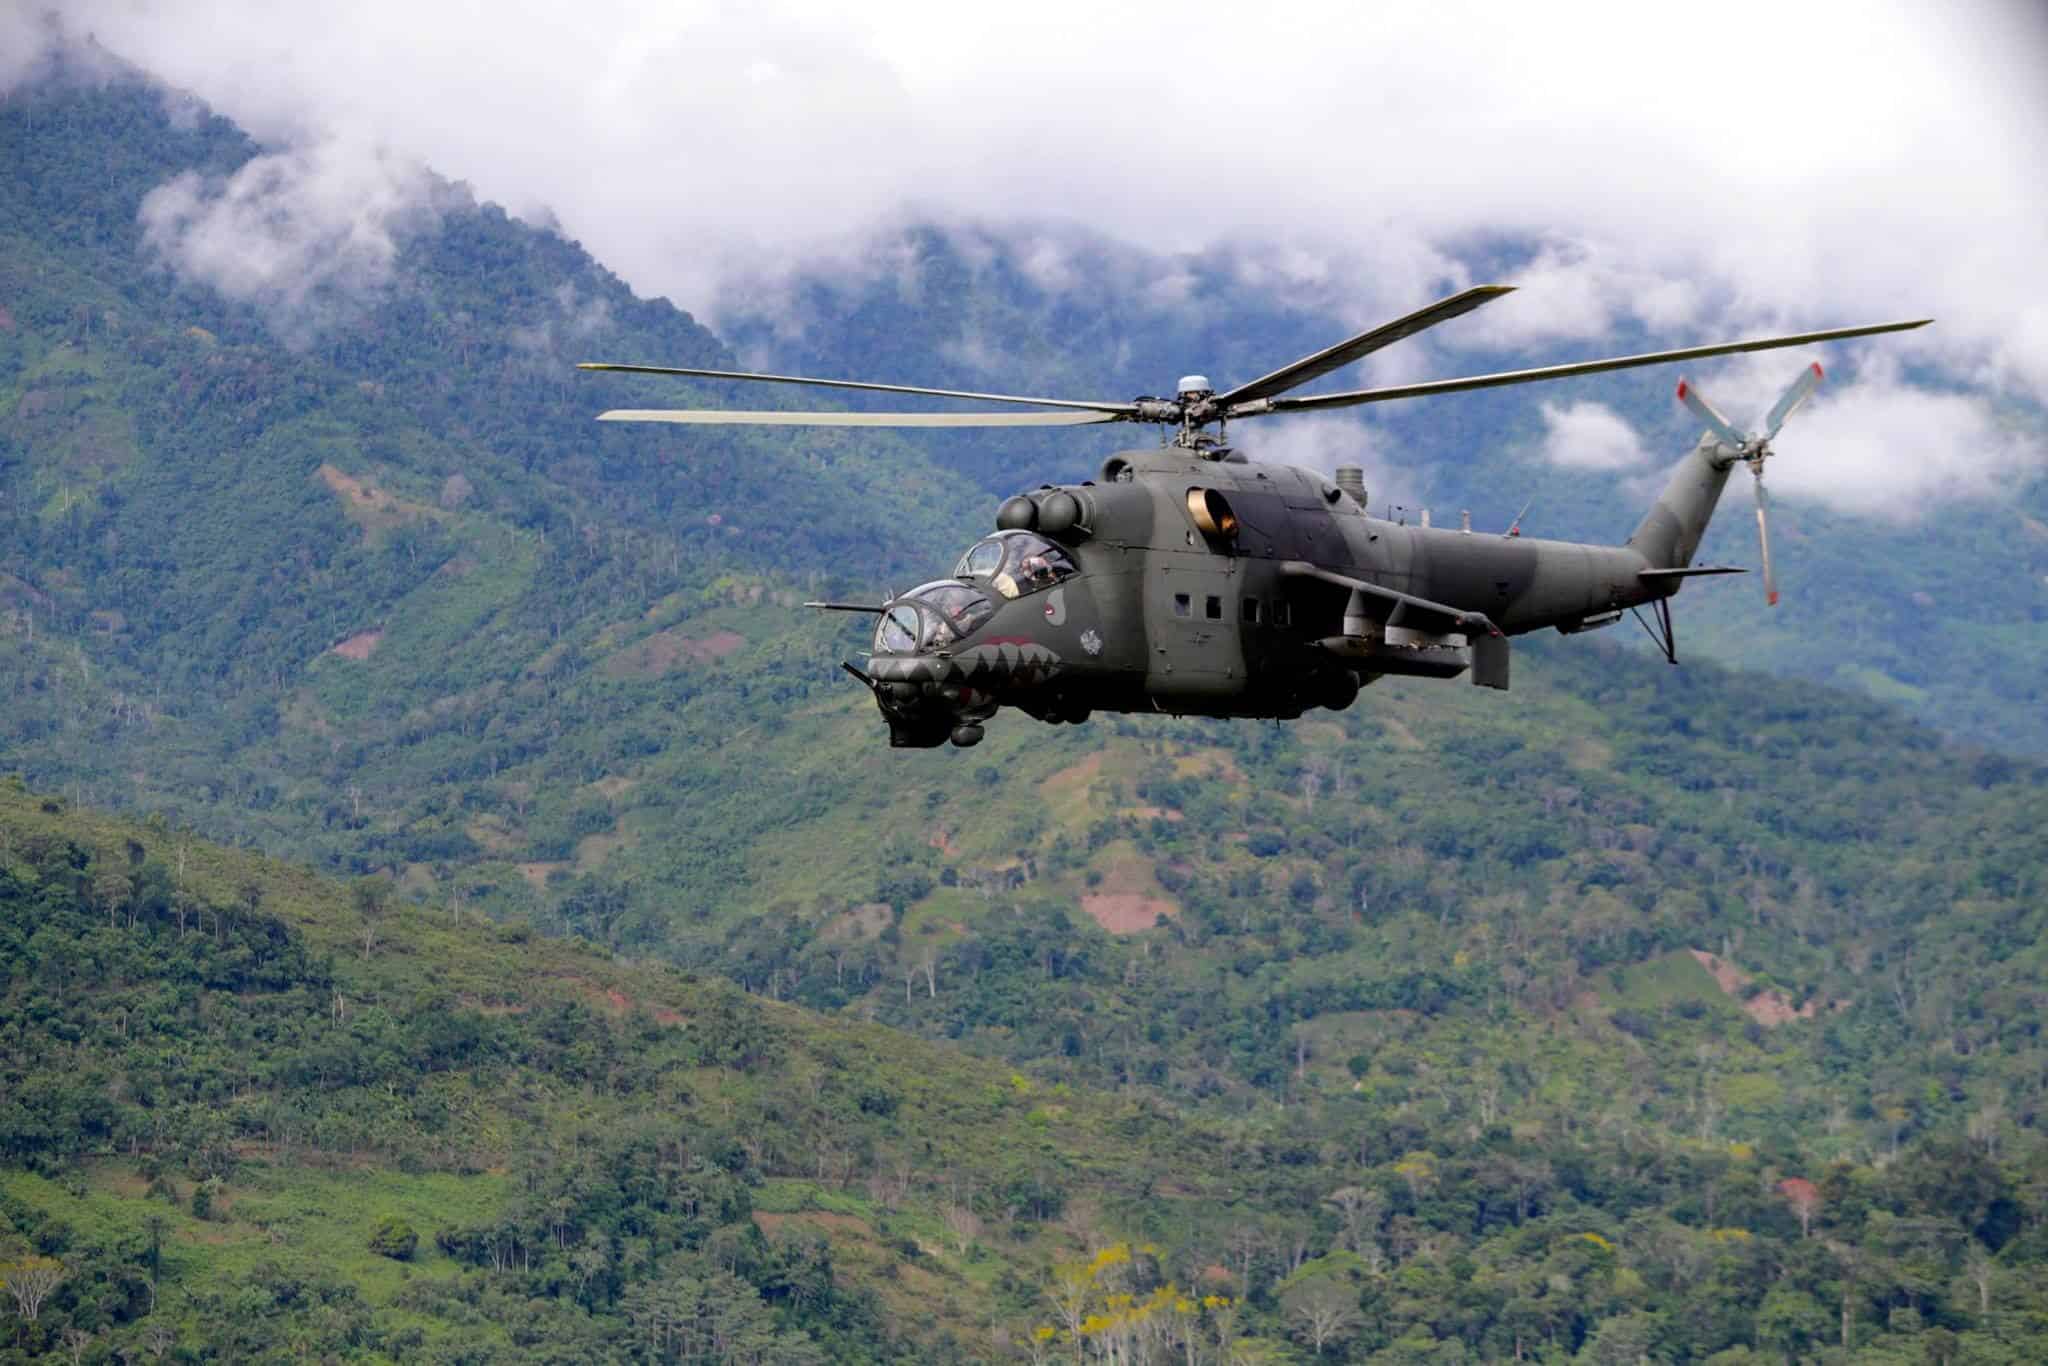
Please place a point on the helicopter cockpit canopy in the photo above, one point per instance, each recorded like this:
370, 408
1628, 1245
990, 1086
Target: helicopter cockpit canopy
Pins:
1015, 563
932, 616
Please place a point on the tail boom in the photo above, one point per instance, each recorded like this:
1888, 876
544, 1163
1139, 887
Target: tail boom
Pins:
1669, 534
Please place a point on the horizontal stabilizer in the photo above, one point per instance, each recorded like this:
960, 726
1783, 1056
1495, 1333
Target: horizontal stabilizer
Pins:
1697, 571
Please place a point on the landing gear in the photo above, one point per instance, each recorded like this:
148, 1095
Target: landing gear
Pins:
967, 735
1662, 633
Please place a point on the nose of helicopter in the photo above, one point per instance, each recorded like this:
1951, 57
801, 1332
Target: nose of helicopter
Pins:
947, 653
915, 669
922, 710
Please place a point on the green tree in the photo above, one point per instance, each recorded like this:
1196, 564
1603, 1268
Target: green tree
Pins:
1791, 1321
372, 898
394, 1238
1323, 1311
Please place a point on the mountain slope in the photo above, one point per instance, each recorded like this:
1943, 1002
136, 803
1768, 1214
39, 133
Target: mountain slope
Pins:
1515, 1023
253, 1109
215, 545
279, 1058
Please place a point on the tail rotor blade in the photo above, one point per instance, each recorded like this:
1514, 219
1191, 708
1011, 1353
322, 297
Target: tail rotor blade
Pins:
1707, 413
1796, 393
1763, 538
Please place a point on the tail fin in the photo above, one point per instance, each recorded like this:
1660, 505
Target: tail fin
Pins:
1670, 532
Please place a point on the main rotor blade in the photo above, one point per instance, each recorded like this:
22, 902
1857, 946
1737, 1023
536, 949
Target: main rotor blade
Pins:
1709, 414
1316, 402
1788, 402
716, 417
858, 384
1364, 344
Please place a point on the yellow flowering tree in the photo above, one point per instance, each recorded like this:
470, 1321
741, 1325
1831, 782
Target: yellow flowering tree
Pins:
1114, 1309
30, 1282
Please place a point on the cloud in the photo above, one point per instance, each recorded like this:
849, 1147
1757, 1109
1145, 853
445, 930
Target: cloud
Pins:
1577, 291
34, 45
1891, 450
1875, 443
1590, 436
1812, 165
1325, 441
308, 236
572, 318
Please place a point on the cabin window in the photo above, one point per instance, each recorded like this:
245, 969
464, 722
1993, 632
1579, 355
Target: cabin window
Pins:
1281, 616
1213, 609
1251, 611
1183, 605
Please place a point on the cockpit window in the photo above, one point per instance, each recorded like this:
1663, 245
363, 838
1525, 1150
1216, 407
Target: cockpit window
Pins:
952, 610
932, 616
984, 559
896, 634
1016, 563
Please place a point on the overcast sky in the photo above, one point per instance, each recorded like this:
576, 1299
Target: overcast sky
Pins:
1740, 166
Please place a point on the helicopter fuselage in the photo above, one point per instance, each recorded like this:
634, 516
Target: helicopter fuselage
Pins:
1190, 585
1189, 581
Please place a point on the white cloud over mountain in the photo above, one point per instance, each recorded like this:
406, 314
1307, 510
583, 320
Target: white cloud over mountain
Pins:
1765, 166
302, 233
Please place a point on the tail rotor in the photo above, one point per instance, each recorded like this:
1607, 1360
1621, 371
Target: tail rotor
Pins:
1755, 450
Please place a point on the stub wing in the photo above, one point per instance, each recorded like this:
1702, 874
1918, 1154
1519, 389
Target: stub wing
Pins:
1390, 607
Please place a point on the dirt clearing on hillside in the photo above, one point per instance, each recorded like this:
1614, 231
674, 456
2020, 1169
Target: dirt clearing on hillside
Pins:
361, 645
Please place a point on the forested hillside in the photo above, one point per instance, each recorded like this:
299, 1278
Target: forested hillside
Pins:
1637, 1013
253, 1114
406, 532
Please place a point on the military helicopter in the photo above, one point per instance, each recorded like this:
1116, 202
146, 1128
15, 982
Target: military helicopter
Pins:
1189, 580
